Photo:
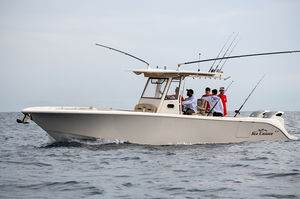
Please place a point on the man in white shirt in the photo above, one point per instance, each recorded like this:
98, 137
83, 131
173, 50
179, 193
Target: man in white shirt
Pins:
216, 104
190, 104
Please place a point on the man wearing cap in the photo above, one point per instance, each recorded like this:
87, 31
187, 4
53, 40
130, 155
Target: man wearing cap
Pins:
224, 99
190, 104
216, 104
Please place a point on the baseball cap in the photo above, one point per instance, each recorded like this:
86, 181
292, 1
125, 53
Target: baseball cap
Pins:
190, 90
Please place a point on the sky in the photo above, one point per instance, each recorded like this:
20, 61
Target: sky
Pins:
48, 55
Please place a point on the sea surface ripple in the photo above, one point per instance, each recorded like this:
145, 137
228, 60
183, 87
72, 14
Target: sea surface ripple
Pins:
34, 166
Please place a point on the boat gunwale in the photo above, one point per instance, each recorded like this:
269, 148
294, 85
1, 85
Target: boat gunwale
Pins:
49, 110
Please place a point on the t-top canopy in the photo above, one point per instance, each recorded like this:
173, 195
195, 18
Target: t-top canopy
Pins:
161, 73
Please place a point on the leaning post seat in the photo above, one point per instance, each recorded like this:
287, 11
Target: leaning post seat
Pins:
201, 106
145, 108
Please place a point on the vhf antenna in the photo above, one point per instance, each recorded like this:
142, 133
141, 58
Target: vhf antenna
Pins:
226, 52
110, 48
199, 62
221, 50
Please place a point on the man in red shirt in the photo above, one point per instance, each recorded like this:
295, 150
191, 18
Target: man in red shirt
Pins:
224, 99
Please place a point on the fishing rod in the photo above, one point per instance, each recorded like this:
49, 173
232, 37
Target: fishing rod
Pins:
229, 55
221, 50
239, 56
227, 51
238, 111
110, 48
219, 98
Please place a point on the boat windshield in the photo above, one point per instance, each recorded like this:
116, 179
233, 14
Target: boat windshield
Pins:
173, 91
155, 88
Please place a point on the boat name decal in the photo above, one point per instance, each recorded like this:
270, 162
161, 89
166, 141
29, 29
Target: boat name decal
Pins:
261, 132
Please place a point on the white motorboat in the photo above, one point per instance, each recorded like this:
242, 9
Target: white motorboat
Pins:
158, 119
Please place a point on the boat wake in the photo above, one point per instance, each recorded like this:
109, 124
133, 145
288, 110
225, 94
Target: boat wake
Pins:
85, 143
105, 144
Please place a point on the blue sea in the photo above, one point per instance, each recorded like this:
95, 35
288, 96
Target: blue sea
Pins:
34, 166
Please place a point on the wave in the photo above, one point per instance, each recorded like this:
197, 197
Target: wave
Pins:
277, 175
84, 143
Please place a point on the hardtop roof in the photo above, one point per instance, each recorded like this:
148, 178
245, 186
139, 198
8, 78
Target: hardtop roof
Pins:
164, 73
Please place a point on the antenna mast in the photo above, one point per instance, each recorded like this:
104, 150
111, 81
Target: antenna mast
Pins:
199, 62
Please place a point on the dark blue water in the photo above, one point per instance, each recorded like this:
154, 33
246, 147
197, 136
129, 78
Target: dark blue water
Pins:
33, 166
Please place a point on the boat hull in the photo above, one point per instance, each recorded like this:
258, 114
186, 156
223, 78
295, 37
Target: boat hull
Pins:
156, 129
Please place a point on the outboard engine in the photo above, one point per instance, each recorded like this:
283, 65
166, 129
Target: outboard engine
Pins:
275, 114
259, 114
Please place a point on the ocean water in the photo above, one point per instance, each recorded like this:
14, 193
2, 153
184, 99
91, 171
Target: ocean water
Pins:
34, 166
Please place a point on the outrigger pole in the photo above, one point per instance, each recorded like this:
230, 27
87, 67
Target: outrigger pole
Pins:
238, 111
110, 48
239, 56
